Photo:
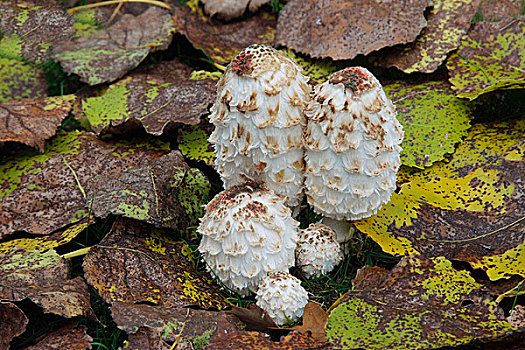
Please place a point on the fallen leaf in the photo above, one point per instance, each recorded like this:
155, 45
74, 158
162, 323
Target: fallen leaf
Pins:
448, 22
147, 338
164, 191
314, 321
71, 336
222, 41
32, 121
44, 192
369, 277
13, 323
188, 325
30, 28
107, 55
255, 317
517, 317
495, 10
434, 121
468, 208
492, 57
228, 337
20, 80
317, 70
343, 29
136, 262
193, 142
422, 304
230, 9
150, 101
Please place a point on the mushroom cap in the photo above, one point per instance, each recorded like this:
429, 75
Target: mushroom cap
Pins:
247, 232
352, 146
259, 121
282, 297
318, 251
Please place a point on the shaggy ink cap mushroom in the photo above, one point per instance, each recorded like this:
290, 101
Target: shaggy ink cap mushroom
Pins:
247, 231
282, 297
318, 251
352, 145
259, 120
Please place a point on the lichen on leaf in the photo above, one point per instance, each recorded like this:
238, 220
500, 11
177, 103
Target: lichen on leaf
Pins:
491, 57
20, 80
433, 120
419, 305
193, 142
467, 208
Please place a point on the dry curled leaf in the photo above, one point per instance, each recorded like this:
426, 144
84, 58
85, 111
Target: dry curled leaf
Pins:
71, 336
230, 9
136, 262
314, 321
12, 323
32, 121
106, 55
343, 29
222, 42
40, 193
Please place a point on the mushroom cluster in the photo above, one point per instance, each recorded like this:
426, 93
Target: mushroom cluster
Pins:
267, 127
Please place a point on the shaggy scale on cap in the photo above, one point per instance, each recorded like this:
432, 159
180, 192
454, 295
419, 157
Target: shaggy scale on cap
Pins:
318, 251
352, 146
259, 122
282, 297
247, 231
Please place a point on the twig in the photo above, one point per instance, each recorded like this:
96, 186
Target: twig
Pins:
75, 176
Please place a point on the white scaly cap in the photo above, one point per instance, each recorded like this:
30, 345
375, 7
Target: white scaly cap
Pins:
282, 297
247, 231
352, 146
259, 121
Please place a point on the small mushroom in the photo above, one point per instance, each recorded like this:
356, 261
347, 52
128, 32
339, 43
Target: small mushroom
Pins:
247, 231
282, 297
259, 121
352, 146
317, 252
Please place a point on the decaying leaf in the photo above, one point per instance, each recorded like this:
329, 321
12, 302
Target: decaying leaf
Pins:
222, 41
20, 80
433, 120
492, 57
495, 10
369, 277
422, 304
314, 321
343, 29
136, 262
165, 192
147, 339
448, 22
12, 323
229, 337
192, 325
153, 102
470, 208
71, 336
32, 121
30, 28
229, 9
254, 317
193, 142
517, 317
106, 55
40, 193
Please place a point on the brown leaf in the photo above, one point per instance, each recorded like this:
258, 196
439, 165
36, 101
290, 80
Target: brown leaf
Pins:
222, 42
72, 336
164, 191
106, 55
151, 102
12, 323
369, 277
517, 317
42, 193
198, 324
343, 29
146, 338
136, 262
448, 22
314, 321
228, 337
495, 10
169, 71
32, 121
254, 316
229, 9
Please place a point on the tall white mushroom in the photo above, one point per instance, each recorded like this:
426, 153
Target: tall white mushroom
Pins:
352, 146
259, 122
247, 231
